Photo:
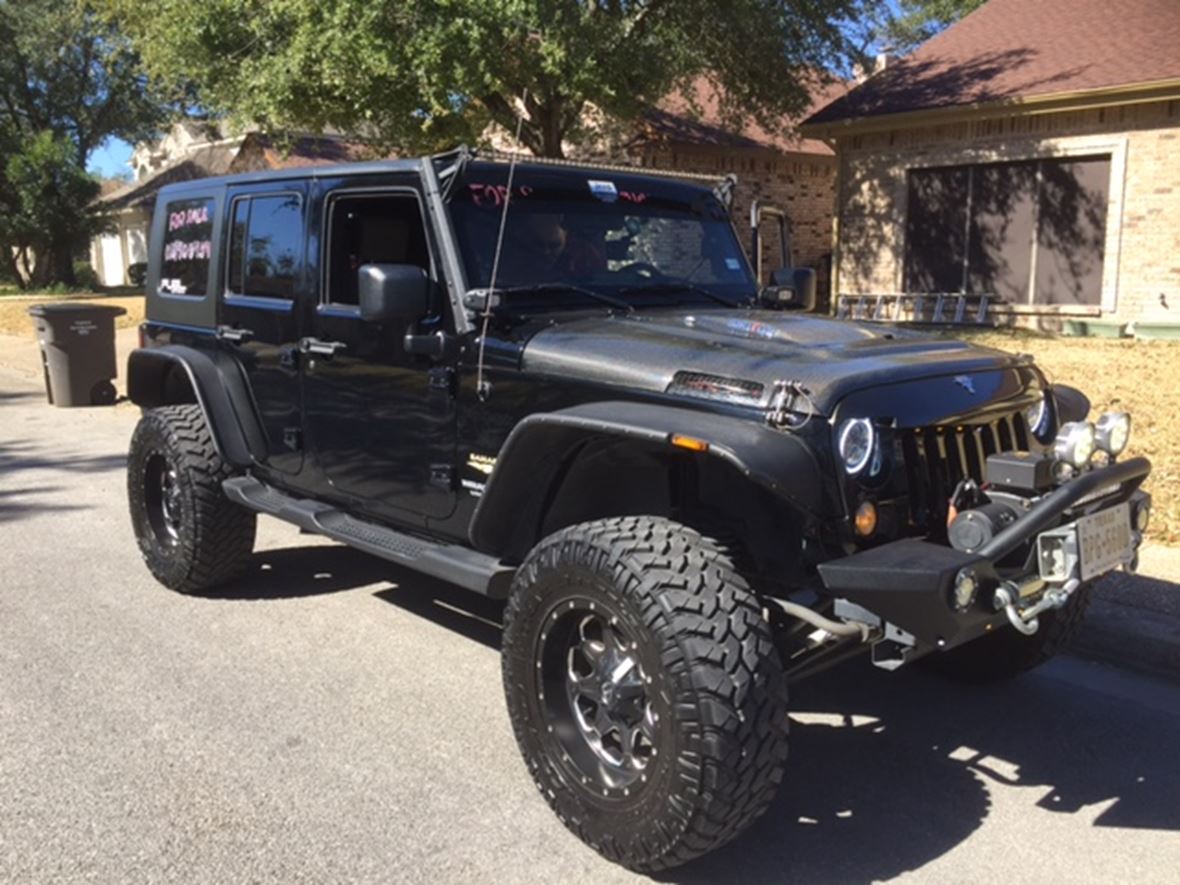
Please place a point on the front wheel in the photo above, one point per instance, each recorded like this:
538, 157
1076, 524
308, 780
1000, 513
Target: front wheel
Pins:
644, 689
191, 535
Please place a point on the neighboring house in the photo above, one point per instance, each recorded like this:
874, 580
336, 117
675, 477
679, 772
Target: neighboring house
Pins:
193, 150
1030, 152
794, 173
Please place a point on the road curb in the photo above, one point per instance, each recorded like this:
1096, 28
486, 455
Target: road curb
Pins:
1131, 638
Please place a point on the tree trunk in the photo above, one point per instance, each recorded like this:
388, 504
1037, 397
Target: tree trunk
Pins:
62, 265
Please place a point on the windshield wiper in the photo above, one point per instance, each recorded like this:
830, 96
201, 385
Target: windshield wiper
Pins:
541, 288
670, 286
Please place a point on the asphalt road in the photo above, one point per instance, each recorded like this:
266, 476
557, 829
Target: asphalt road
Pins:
334, 718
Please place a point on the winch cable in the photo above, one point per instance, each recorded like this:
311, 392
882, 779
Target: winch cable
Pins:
483, 387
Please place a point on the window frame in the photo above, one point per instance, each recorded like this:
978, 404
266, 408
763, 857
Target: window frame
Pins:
265, 302
335, 308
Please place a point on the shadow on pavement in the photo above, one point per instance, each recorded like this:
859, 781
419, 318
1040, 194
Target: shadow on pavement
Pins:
890, 772
295, 572
28, 455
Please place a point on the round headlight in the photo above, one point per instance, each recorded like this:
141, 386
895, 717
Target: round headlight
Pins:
1036, 417
855, 443
1075, 443
1112, 432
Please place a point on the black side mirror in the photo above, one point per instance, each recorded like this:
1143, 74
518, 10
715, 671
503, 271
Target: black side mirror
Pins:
392, 292
790, 288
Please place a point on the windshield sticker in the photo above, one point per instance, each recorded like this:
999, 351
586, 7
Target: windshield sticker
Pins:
733, 264
604, 190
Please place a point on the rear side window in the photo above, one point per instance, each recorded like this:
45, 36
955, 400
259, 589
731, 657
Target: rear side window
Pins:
188, 247
265, 246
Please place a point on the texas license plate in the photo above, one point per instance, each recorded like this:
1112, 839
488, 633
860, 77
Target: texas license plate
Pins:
1104, 540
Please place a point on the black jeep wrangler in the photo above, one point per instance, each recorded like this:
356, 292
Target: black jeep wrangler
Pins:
563, 387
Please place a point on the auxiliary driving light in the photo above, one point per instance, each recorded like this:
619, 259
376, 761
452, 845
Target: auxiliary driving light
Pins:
964, 591
1075, 443
1112, 432
866, 519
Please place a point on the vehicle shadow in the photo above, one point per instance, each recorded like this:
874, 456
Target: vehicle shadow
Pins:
297, 572
888, 771
891, 771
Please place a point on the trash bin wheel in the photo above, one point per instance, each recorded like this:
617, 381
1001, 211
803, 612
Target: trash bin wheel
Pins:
103, 394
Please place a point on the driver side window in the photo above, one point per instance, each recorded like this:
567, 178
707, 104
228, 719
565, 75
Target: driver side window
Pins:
371, 229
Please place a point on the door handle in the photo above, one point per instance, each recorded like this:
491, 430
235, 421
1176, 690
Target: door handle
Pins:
321, 348
237, 336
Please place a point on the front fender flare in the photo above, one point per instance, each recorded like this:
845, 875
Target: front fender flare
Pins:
220, 389
540, 446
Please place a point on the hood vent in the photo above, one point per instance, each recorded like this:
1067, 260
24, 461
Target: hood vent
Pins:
715, 387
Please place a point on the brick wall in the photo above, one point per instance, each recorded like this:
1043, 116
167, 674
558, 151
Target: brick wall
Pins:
1142, 253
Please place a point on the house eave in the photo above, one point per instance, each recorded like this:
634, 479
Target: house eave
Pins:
1087, 99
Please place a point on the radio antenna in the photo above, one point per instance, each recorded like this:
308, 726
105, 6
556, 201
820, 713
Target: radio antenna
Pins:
483, 387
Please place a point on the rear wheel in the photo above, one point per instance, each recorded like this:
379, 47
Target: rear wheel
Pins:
191, 536
1007, 653
644, 689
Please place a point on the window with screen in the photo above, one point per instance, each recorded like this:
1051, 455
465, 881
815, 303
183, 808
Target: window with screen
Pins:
188, 247
266, 242
1028, 232
371, 229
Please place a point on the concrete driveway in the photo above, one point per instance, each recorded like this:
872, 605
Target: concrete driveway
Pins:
333, 718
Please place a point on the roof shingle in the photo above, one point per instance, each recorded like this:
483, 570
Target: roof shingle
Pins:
1013, 50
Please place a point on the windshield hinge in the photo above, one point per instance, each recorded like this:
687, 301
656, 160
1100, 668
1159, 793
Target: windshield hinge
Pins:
783, 411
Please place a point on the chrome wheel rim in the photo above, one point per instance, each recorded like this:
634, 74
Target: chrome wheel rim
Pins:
162, 497
597, 698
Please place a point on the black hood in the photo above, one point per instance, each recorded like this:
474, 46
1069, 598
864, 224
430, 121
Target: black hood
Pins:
831, 358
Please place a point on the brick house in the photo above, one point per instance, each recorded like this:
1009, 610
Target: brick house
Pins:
1031, 152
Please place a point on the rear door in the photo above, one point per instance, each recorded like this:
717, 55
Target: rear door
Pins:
263, 285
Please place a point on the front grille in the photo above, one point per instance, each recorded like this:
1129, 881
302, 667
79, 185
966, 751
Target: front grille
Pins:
937, 458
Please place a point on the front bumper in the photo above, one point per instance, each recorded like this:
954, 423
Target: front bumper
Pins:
911, 583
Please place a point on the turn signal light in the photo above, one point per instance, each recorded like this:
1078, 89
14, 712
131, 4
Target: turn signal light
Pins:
866, 519
688, 442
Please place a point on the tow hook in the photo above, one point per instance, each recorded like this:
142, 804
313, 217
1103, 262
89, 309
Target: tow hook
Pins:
1008, 594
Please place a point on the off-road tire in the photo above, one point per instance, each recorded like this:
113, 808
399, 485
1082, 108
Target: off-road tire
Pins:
716, 682
1008, 653
214, 537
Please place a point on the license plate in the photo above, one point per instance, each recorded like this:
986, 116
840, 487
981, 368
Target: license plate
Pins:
1104, 540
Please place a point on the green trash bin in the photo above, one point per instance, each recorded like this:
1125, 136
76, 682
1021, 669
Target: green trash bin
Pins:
77, 351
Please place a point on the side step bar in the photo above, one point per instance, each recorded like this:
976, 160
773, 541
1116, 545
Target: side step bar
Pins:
449, 562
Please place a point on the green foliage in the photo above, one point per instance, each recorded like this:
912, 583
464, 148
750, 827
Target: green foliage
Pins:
919, 20
68, 82
419, 74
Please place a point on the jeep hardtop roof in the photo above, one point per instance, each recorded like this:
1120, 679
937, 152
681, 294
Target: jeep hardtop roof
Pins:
440, 161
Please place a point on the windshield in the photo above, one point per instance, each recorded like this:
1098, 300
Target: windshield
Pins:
573, 234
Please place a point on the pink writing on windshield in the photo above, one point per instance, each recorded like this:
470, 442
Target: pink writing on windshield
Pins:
494, 194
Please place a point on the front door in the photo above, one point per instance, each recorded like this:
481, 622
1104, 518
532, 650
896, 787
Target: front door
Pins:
258, 315
380, 421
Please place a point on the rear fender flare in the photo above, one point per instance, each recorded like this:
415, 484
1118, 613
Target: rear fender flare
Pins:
219, 387
533, 458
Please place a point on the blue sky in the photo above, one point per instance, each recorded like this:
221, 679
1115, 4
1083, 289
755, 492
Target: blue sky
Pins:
111, 158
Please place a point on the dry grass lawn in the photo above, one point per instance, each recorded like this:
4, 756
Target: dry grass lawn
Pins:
1142, 378
15, 319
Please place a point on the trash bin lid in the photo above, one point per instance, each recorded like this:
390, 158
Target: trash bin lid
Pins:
61, 308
